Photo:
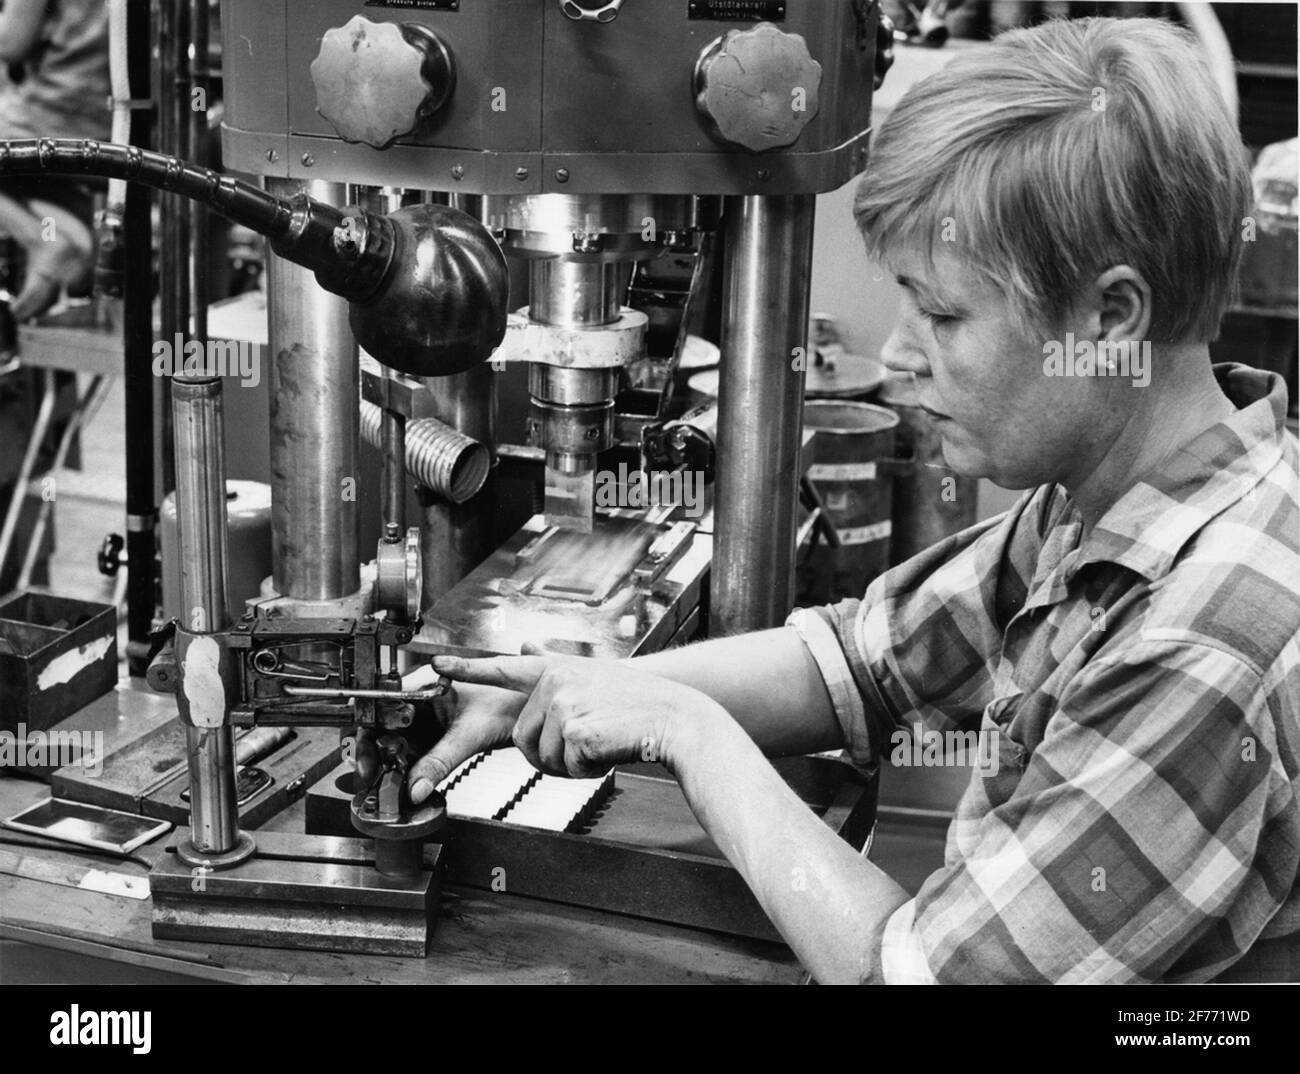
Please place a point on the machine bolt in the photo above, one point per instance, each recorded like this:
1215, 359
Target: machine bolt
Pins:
308, 160
561, 175
458, 172
392, 532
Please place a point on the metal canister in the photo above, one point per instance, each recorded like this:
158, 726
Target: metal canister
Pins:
930, 501
833, 373
248, 512
852, 448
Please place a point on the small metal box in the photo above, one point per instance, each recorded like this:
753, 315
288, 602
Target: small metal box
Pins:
56, 655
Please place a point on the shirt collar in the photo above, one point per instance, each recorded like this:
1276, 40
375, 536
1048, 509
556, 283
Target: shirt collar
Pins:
1148, 526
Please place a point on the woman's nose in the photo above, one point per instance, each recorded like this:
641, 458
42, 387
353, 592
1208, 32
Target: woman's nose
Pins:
900, 355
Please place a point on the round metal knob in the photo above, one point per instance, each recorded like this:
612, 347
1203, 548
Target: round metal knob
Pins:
376, 81
606, 12
758, 87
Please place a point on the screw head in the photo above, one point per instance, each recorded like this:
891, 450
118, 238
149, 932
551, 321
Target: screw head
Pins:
272, 155
561, 175
521, 174
458, 172
308, 160
764, 174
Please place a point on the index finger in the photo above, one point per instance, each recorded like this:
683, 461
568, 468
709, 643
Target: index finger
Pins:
517, 673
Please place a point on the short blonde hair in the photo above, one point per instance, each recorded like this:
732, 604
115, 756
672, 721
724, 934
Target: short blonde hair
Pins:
1056, 152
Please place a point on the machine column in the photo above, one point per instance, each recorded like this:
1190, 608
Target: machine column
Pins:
314, 426
201, 523
760, 409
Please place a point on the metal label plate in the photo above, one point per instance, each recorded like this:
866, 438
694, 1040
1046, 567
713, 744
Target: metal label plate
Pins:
737, 10
426, 5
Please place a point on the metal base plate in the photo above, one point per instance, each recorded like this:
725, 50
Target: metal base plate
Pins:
297, 891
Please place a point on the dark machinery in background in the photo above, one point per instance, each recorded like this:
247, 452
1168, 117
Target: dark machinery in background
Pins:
590, 144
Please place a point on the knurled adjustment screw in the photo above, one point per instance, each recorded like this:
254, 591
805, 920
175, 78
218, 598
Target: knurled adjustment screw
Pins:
757, 87
376, 81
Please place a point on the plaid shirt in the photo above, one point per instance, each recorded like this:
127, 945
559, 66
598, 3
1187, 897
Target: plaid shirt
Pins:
1142, 692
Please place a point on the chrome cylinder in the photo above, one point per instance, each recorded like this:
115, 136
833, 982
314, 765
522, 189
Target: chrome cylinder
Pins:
198, 419
197, 415
760, 409
392, 433
574, 293
314, 426
454, 535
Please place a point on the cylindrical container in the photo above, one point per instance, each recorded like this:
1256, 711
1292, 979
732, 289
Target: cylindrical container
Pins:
835, 374
841, 376
930, 501
248, 512
853, 442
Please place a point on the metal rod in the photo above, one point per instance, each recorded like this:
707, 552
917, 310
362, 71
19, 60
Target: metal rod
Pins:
454, 536
392, 427
315, 399
139, 384
760, 409
201, 528
339, 693
198, 151
99, 387
143, 417
39, 429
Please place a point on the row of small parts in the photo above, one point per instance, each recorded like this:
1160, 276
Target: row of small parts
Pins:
488, 784
561, 805
502, 784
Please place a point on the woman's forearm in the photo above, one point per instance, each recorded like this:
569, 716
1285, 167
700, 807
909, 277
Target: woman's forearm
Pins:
769, 683
826, 900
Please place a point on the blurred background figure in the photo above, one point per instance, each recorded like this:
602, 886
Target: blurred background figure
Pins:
55, 85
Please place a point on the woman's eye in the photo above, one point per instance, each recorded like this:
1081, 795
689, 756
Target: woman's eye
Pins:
936, 318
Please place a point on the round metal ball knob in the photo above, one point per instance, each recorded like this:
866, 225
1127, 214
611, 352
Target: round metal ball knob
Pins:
377, 81
758, 87
441, 307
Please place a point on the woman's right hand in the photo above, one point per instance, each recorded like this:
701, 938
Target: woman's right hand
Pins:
474, 718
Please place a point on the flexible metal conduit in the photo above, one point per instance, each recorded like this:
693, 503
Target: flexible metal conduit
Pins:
443, 460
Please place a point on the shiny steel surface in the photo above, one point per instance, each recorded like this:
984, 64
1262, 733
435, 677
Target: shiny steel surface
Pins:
314, 427
574, 293
201, 523
760, 410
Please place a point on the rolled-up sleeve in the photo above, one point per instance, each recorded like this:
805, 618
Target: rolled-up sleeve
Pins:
919, 645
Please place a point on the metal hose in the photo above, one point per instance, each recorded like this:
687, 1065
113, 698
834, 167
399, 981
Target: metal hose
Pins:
447, 462
299, 228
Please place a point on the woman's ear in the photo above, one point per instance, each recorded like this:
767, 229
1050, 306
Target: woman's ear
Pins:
1122, 300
